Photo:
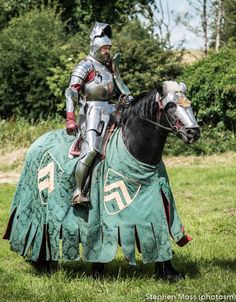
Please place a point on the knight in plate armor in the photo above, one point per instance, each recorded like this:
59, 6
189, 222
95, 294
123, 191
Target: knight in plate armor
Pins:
96, 86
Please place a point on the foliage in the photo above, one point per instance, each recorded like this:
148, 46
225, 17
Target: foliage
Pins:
213, 140
31, 44
144, 60
12, 8
74, 49
37, 60
211, 87
19, 133
229, 27
78, 13
205, 193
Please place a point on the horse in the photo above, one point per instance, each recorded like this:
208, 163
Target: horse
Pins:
131, 200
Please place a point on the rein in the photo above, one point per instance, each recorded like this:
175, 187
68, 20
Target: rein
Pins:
159, 125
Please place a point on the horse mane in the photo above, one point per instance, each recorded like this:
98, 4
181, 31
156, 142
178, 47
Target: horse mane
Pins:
143, 106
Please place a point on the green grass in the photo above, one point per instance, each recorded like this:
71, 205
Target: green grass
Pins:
206, 200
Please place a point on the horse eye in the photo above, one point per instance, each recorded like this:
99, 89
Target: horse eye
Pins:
171, 107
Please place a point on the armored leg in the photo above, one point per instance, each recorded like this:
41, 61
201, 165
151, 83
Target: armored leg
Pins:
82, 167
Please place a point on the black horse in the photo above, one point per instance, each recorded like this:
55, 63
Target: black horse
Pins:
145, 125
41, 211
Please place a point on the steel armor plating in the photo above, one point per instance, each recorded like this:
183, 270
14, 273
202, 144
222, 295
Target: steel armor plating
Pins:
96, 87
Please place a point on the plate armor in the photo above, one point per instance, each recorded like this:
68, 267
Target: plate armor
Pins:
96, 87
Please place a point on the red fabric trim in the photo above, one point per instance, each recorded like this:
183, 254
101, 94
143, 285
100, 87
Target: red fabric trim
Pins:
184, 240
75, 150
76, 86
90, 76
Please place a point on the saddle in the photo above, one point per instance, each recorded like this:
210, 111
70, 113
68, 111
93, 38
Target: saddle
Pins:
75, 147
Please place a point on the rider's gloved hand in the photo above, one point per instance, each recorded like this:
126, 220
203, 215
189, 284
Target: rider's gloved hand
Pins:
70, 123
129, 99
126, 99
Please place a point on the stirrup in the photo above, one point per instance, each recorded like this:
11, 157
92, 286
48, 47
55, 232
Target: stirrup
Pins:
80, 200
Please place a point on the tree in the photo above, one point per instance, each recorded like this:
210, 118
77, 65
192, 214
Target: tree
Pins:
226, 24
12, 8
229, 26
85, 12
219, 22
203, 9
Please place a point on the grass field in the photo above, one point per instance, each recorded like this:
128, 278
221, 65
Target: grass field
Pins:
205, 192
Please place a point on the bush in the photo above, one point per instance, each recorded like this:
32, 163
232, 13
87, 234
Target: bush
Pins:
19, 133
213, 140
144, 58
212, 88
30, 45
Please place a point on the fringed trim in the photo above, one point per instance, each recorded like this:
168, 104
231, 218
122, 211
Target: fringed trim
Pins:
184, 240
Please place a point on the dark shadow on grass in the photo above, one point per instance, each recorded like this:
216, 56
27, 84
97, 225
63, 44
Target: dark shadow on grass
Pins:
186, 266
229, 265
118, 268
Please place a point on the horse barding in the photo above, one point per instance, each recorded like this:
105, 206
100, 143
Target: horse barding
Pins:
131, 200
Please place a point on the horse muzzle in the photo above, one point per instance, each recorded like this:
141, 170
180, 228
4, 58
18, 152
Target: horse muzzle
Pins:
189, 135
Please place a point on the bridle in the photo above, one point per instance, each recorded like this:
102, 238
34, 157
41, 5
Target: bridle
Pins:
174, 128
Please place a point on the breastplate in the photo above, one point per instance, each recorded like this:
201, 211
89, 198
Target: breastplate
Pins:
101, 88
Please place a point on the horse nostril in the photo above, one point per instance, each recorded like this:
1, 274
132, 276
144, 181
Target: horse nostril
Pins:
190, 132
193, 134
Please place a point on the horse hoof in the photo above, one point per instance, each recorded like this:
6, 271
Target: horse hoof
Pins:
172, 278
165, 271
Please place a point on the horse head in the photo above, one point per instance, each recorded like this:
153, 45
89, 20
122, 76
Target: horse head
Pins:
149, 120
176, 115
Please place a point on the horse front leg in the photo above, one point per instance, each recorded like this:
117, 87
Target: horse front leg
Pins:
165, 271
98, 270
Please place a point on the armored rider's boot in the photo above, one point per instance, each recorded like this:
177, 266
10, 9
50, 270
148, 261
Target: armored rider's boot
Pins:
79, 197
81, 173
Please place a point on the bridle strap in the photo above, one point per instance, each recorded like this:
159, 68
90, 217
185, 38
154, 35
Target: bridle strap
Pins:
161, 108
159, 125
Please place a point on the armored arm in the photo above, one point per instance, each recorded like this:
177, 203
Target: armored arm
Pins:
82, 72
125, 96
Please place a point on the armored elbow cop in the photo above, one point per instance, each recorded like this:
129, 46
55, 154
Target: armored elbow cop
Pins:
79, 75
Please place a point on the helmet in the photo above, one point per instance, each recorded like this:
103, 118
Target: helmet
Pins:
100, 36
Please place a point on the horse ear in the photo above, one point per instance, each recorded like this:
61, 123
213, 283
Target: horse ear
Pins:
158, 87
